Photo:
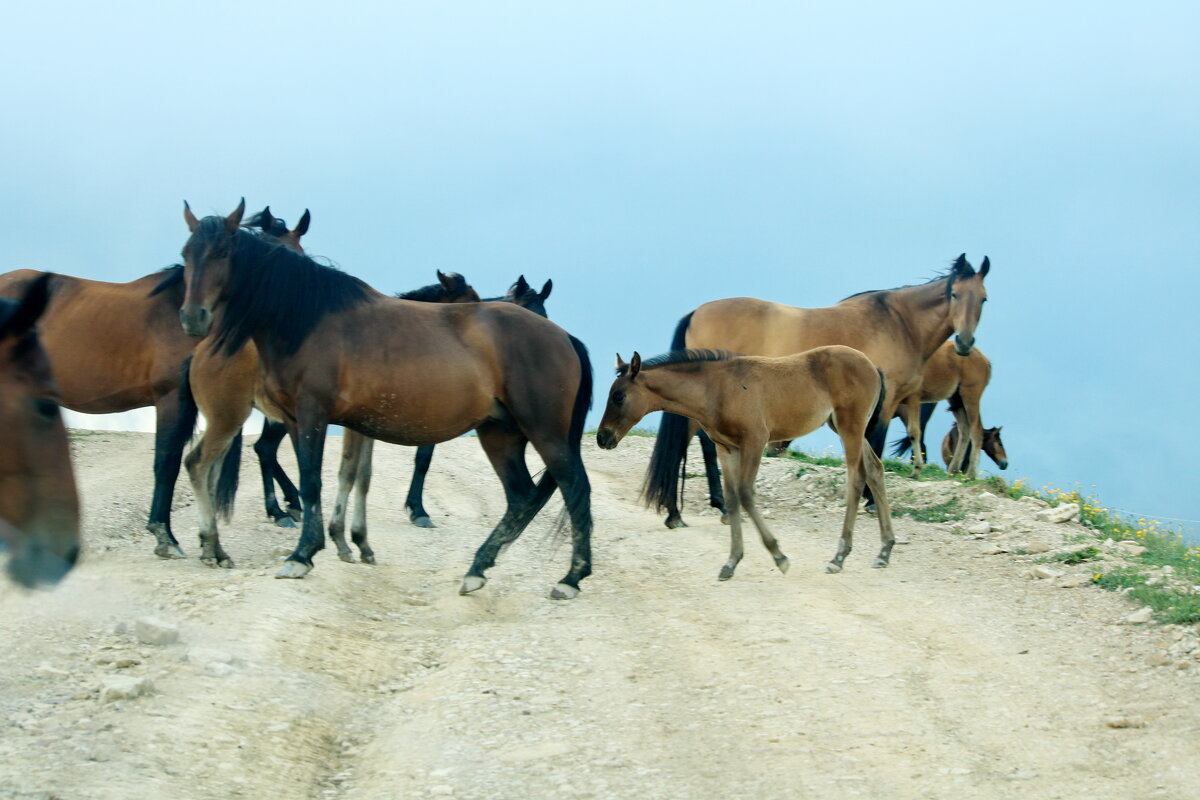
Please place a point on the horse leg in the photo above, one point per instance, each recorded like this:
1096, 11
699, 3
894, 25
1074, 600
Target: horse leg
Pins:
347, 472
971, 397
166, 472
736, 545
927, 410
564, 463
362, 484
912, 421
777, 449
873, 472
964, 438
416, 509
204, 469
267, 450
712, 472
749, 461
505, 449
309, 435
855, 481
876, 438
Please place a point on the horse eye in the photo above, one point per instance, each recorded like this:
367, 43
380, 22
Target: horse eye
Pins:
618, 398
954, 295
46, 408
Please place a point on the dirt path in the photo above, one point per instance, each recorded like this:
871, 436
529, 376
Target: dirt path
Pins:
949, 675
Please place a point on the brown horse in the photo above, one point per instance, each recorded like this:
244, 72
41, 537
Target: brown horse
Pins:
898, 329
333, 350
39, 507
992, 445
743, 402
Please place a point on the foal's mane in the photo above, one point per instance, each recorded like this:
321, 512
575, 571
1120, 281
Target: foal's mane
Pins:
675, 357
959, 268
273, 289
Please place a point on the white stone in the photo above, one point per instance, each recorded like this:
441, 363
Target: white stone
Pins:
150, 630
1059, 514
1036, 547
1043, 572
1036, 502
1130, 548
219, 668
981, 527
1142, 615
122, 688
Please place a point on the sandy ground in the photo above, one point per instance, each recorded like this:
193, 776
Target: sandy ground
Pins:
951, 674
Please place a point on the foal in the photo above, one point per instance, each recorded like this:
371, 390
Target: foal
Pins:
743, 402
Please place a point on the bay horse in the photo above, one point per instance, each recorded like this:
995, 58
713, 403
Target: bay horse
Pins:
39, 505
743, 402
334, 350
992, 445
898, 329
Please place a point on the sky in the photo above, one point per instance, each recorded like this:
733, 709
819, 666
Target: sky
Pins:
650, 157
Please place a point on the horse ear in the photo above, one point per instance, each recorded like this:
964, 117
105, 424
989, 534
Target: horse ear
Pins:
235, 218
521, 286
960, 264
984, 267
635, 365
189, 217
30, 308
620, 363
263, 219
545, 292
302, 226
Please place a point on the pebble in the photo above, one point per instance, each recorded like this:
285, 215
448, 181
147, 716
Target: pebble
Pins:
151, 630
1130, 548
1142, 615
1125, 722
1058, 514
1043, 572
982, 526
219, 669
1036, 547
123, 688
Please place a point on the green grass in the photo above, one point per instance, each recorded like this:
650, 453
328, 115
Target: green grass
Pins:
1077, 557
946, 511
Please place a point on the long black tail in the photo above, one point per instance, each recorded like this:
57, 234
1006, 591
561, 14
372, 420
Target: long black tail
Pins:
662, 476
227, 484
185, 423
871, 423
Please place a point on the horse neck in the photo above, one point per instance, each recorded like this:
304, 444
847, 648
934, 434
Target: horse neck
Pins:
925, 310
683, 392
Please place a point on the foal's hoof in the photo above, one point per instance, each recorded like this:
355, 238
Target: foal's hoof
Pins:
169, 551
423, 522
563, 591
368, 558
293, 569
471, 583
676, 522
347, 556
879, 563
782, 563
832, 567
726, 573
285, 522
223, 563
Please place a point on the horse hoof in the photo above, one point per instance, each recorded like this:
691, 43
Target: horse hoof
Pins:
368, 558
423, 522
348, 557
208, 561
725, 574
783, 564
471, 583
169, 551
225, 563
296, 513
676, 522
879, 563
285, 522
563, 591
293, 569
832, 568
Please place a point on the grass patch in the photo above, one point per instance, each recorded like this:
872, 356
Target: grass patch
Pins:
816, 461
947, 511
1078, 557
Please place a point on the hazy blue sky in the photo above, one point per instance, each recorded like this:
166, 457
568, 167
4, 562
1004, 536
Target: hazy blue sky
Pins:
652, 156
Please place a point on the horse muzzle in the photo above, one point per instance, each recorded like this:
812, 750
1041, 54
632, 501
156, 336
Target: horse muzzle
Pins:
607, 439
196, 320
36, 563
963, 345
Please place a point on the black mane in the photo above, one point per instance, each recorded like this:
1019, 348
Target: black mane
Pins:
681, 357
272, 289
171, 276
958, 269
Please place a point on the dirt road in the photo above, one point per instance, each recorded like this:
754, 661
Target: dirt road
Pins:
952, 674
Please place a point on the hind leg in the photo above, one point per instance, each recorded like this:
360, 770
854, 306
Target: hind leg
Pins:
876, 439
912, 422
505, 449
564, 463
204, 469
267, 450
352, 444
855, 480
309, 434
873, 472
166, 472
362, 485
964, 440
416, 509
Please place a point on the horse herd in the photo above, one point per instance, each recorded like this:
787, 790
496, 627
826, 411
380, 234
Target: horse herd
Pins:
248, 321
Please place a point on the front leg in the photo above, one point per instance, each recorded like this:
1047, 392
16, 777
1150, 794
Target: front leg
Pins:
736, 547
309, 435
168, 454
912, 421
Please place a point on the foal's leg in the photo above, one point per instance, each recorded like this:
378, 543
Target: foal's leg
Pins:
912, 421
416, 509
267, 450
729, 460
873, 471
749, 459
854, 444
352, 444
309, 432
204, 469
166, 472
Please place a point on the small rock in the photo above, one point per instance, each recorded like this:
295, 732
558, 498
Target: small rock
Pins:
1125, 722
1043, 572
986, 496
121, 628
1130, 548
1036, 547
122, 688
46, 669
1141, 616
1074, 582
980, 527
219, 668
994, 550
1036, 502
411, 600
1058, 514
207, 655
150, 630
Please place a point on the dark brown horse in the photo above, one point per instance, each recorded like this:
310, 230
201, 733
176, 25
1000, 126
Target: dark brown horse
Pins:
39, 507
898, 329
992, 445
743, 402
333, 350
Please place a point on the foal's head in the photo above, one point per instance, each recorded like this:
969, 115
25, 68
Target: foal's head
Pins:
966, 293
628, 401
276, 229
524, 295
39, 508
207, 257
450, 288
994, 447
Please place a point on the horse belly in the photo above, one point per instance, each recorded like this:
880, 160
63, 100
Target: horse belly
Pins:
412, 416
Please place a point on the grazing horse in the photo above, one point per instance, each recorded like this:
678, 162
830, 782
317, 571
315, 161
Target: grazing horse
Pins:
39, 507
333, 350
898, 329
992, 445
743, 402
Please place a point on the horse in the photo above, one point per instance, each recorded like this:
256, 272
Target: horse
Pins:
992, 445
39, 506
898, 329
334, 350
355, 471
743, 402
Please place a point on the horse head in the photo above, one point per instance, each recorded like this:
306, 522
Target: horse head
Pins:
966, 293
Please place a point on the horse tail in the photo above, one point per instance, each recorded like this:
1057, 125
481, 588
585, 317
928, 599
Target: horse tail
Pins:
581, 490
670, 446
901, 446
185, 423
875, 414
583, 397
227, 484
